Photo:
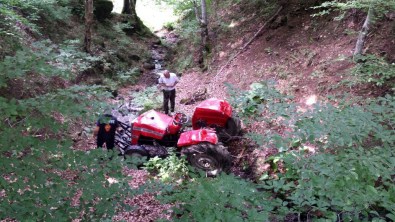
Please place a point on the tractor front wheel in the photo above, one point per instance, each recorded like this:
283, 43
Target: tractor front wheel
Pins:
208, 157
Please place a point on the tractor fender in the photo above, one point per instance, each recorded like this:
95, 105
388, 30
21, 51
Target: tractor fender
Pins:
194, 137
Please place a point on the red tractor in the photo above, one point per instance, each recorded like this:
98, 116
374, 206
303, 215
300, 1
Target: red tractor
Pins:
152, 132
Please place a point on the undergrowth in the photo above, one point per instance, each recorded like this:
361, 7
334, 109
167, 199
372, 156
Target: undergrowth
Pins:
149, 98
349, 173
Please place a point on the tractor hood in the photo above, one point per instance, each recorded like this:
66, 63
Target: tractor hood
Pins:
151, 124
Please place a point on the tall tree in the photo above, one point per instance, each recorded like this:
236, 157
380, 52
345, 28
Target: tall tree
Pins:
204, 26
129, 8
88, 25
363, 33
201, 16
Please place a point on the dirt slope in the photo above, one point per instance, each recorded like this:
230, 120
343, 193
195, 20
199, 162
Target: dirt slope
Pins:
308, 57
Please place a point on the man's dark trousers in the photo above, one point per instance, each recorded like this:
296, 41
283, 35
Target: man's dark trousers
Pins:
169, 95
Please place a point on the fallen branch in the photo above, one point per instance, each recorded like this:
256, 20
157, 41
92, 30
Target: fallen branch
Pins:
240, 156
249, 42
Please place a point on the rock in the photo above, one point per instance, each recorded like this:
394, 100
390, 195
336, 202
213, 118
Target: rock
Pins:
148, 66
200, 95
157, 42
102, 9
88, 130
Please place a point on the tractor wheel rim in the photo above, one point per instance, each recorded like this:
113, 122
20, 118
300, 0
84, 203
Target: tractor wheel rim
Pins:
206, 163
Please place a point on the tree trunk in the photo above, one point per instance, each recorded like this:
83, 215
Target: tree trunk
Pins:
197, 13
133, 9
129, 7
88, 25
363, 33
204, 31
126, 7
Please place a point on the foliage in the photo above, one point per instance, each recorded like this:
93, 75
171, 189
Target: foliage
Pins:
10, 20
185, 63
380, 6
338, 161
225, 198
150, 98
169, 26
261, 98
37, 161
372, 69
354, 184
170, 169
320, 125
180, 7
128, 77
36, 9
43, 184
46, 59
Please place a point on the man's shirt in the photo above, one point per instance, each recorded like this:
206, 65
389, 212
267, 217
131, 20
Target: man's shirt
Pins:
169, 82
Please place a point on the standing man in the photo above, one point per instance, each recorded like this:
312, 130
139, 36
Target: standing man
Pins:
105, 131
168, 82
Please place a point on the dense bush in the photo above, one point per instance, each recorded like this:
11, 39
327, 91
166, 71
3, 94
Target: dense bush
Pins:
349, 175
373, 69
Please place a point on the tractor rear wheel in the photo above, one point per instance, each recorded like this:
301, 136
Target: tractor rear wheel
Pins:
232, 129
208, 157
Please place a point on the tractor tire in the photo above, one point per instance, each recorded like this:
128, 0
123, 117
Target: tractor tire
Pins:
208, 157
232, 129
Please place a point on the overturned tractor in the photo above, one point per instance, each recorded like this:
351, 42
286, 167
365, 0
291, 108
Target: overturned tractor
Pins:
213, 123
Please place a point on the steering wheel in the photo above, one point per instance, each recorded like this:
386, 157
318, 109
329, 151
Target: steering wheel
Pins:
180, 118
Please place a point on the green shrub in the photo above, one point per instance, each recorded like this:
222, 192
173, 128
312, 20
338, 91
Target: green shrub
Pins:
170, 169
372, 69
354, 184
225, 198
350, 173
262, 98
169, 26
